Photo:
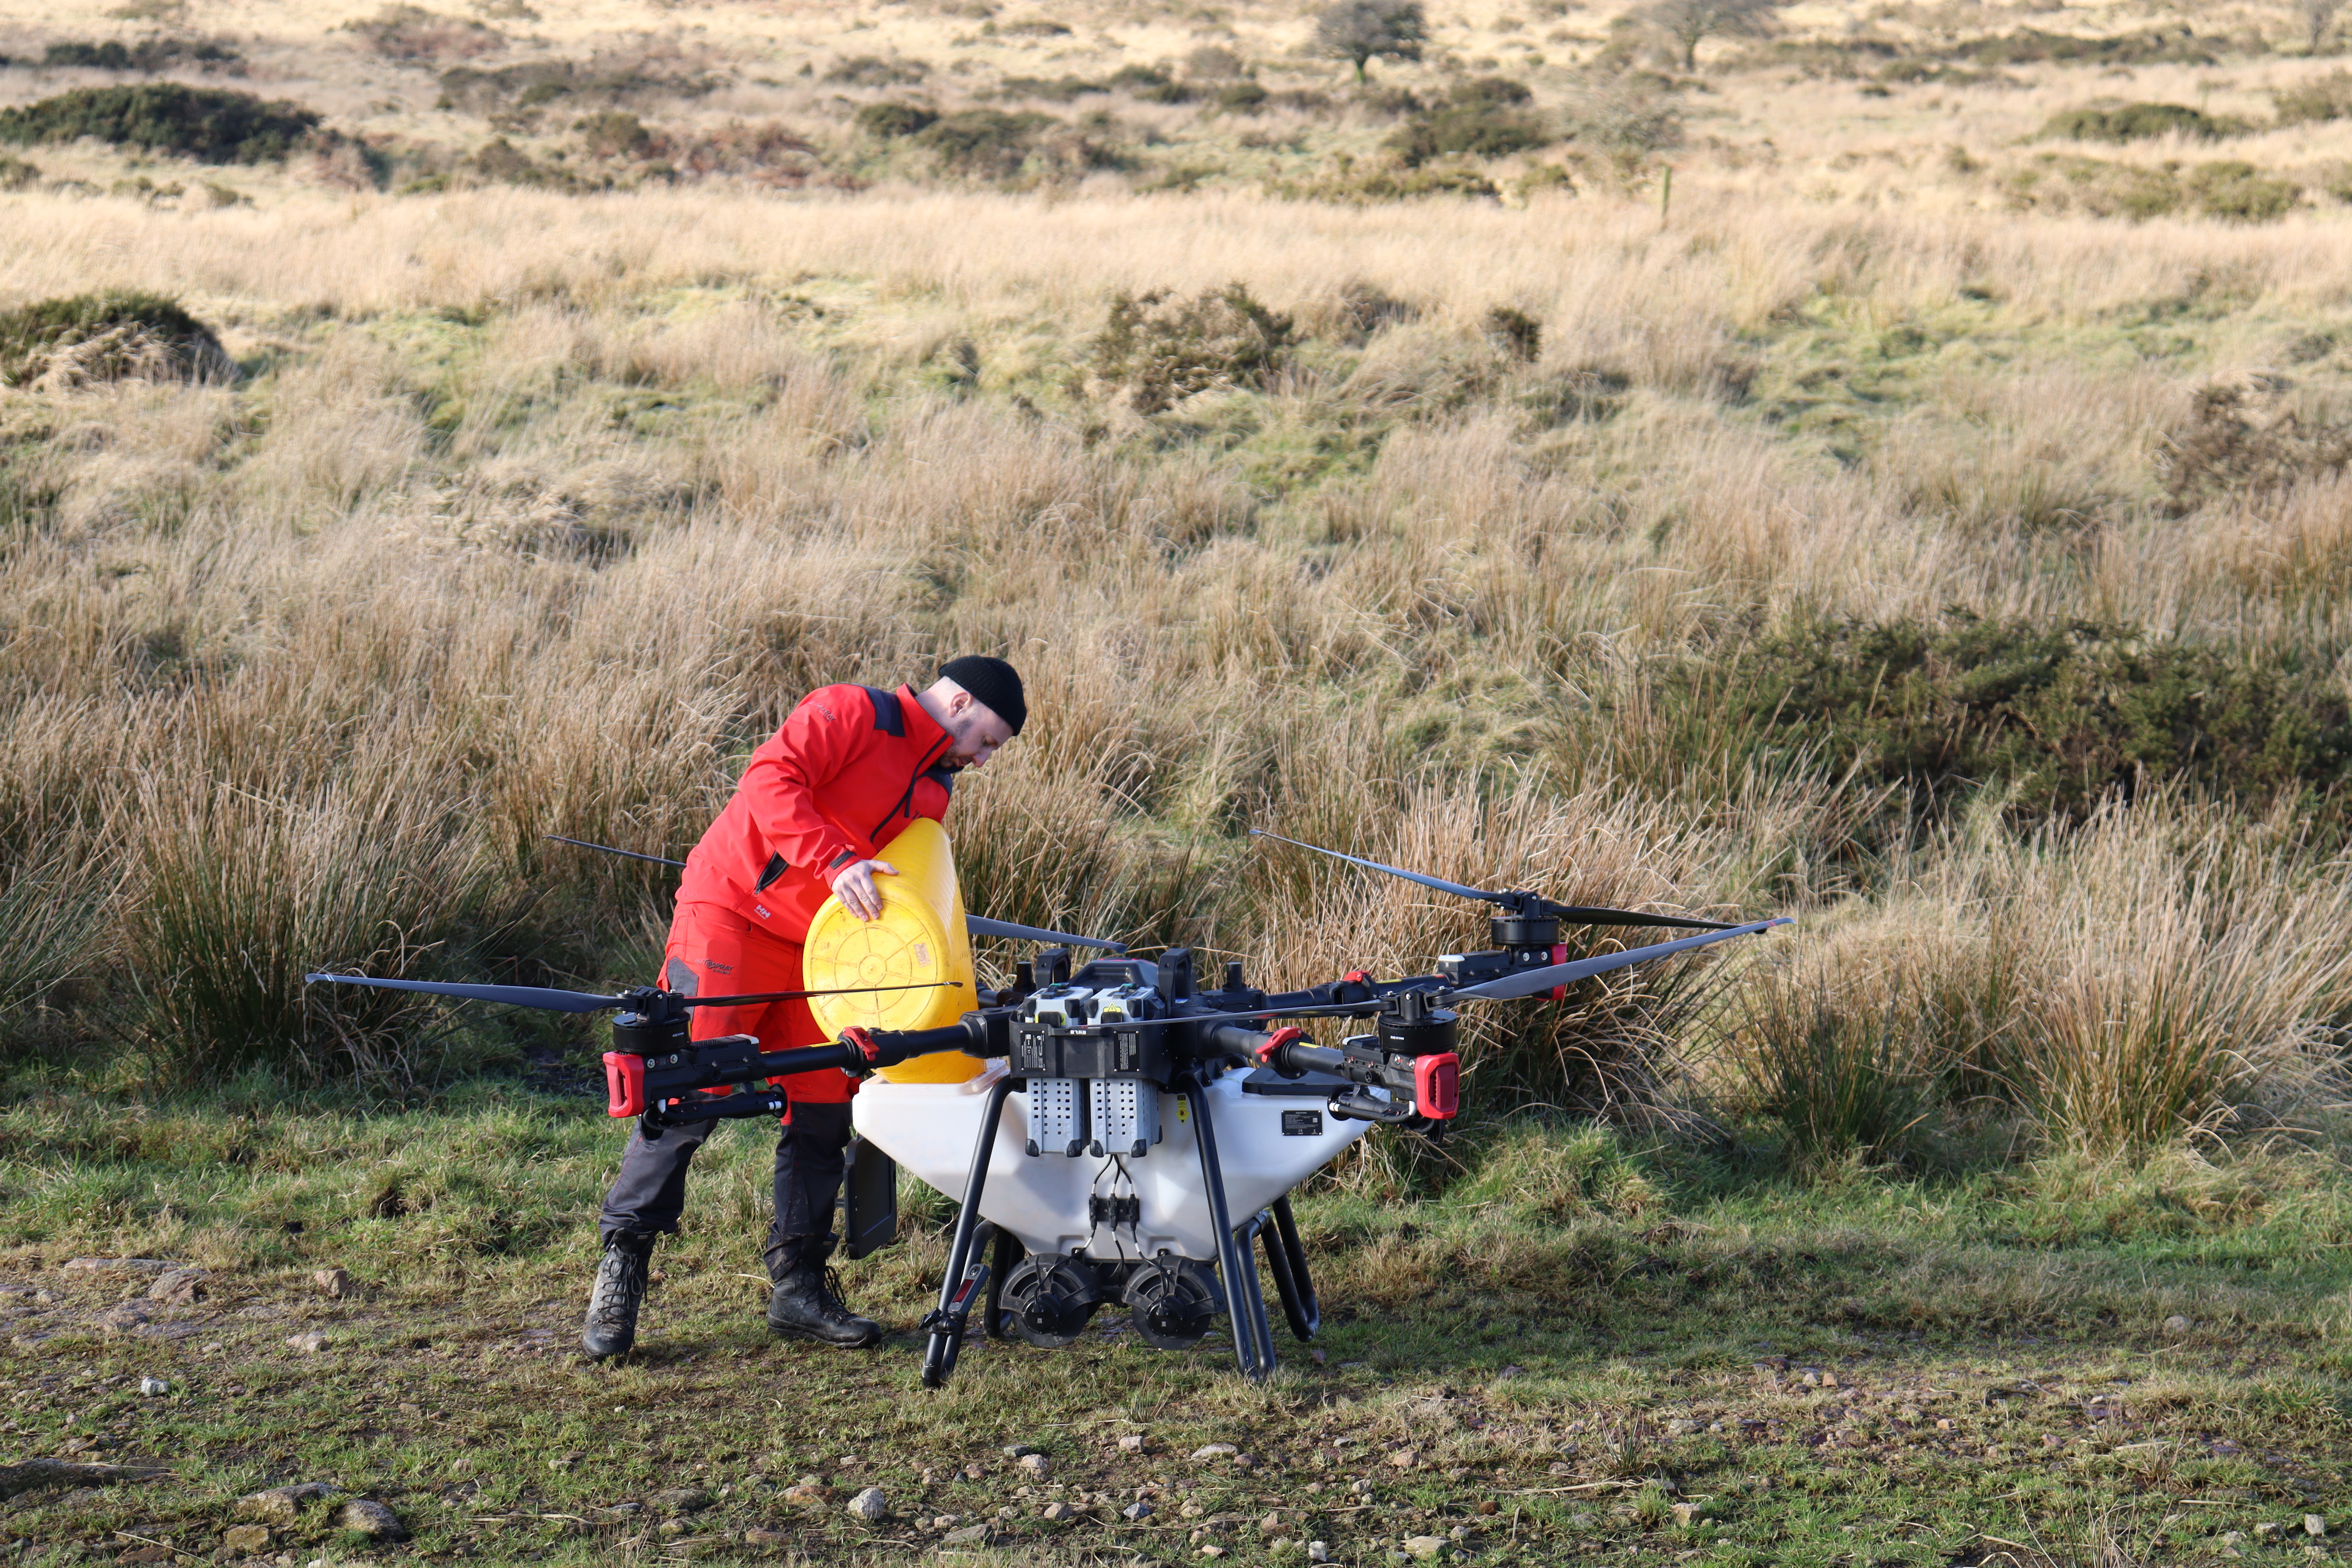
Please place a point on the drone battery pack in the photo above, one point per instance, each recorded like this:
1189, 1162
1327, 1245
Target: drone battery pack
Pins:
1058, 1116
1126, 1116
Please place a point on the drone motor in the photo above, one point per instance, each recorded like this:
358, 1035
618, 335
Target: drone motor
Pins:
1048, 1298
1172, 1301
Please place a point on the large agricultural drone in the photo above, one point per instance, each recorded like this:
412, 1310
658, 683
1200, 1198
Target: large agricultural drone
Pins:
1123, 1115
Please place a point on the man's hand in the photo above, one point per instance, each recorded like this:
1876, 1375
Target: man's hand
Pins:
853, 886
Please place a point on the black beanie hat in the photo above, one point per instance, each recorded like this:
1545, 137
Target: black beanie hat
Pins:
993, 682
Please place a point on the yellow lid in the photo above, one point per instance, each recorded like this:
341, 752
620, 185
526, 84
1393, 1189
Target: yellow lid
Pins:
919, 937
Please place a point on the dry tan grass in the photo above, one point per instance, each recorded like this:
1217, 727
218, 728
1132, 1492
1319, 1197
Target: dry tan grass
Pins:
560, 501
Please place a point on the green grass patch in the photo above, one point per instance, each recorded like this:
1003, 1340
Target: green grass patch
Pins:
2140, 122
1580, 1345
2050, 720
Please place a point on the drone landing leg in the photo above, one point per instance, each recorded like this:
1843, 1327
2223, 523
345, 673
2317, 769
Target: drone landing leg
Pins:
957, 1293
1252, 1345
1288, 1258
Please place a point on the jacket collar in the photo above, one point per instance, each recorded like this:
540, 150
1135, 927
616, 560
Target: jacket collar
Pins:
922, 730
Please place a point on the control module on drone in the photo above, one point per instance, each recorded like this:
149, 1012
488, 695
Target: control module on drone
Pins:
1115, 1132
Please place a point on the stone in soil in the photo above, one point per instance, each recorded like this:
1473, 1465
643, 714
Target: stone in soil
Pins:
1689, 1513
371, 1519
1136, 1512
681, 1499
1132, 1443
1019, 1450
1318, 1551
154, 1387
246, 1537
308, 1344
1405, 1458
870, 1505
970, 1535
333, 1283
2177, 1324
283, 1505
758, 1536
179, 1287
2314, 1524
1059, 1512
1425, 1546
122, 1319
1215, 1451
1037, 1466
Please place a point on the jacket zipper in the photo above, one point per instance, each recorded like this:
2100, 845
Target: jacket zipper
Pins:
922, 768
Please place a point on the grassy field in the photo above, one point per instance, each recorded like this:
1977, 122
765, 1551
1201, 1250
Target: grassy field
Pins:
1893, 473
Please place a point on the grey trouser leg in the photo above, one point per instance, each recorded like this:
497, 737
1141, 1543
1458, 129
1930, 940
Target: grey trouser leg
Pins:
649, 1195
808, 1180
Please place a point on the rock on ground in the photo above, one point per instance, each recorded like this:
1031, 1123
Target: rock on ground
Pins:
247, 1538
870, 1505
371, 1520
1425, 1546
283, 1505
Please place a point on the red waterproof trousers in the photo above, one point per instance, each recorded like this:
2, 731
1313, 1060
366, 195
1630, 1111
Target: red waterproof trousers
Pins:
715, 952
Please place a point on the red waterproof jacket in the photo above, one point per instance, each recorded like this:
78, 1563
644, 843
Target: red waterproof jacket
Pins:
850, 768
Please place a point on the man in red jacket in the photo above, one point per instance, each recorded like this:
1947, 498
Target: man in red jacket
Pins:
851, 766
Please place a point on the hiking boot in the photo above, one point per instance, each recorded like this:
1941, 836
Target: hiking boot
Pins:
612, 1326
806, 1304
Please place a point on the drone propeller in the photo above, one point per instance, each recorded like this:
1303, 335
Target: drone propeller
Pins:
1528, 981
1576, 914
979, 927
631, 853
556, 1001
972, 923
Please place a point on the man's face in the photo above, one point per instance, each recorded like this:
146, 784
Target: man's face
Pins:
978, 731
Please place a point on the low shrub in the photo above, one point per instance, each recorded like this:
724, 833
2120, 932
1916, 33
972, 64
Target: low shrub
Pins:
147, 55
2238, 193
1062, 90
2053, 720
1163, 349
890, 121
1345, 181
15, 174
2320, 99
990, 144
2237, 442
1514, 334
616, 133
411, 33
107, 337
217, 125
875, 70
616, 80
2181, 47
2231, 190
2140, 122
1623, 120
1486, 118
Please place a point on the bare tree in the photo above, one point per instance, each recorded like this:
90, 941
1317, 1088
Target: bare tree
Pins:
1363, 30
1687, 22
2315, 17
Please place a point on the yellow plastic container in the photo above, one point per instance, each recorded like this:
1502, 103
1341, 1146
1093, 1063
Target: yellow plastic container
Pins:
920, 936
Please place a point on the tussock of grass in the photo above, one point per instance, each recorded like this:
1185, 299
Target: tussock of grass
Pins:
107, 337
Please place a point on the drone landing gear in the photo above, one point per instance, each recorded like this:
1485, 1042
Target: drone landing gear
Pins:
1048, 1299
963, 1285
1245, 1303
1285, 1258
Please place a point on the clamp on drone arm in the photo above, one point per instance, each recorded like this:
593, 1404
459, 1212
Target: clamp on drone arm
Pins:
675, 1085
1426, 1085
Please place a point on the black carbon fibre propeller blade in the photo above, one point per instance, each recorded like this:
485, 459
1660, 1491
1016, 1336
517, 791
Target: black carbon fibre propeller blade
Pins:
630, 854
1440, 883
1575, 914
543, 996
979, 927
550, 1000
1528, 981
